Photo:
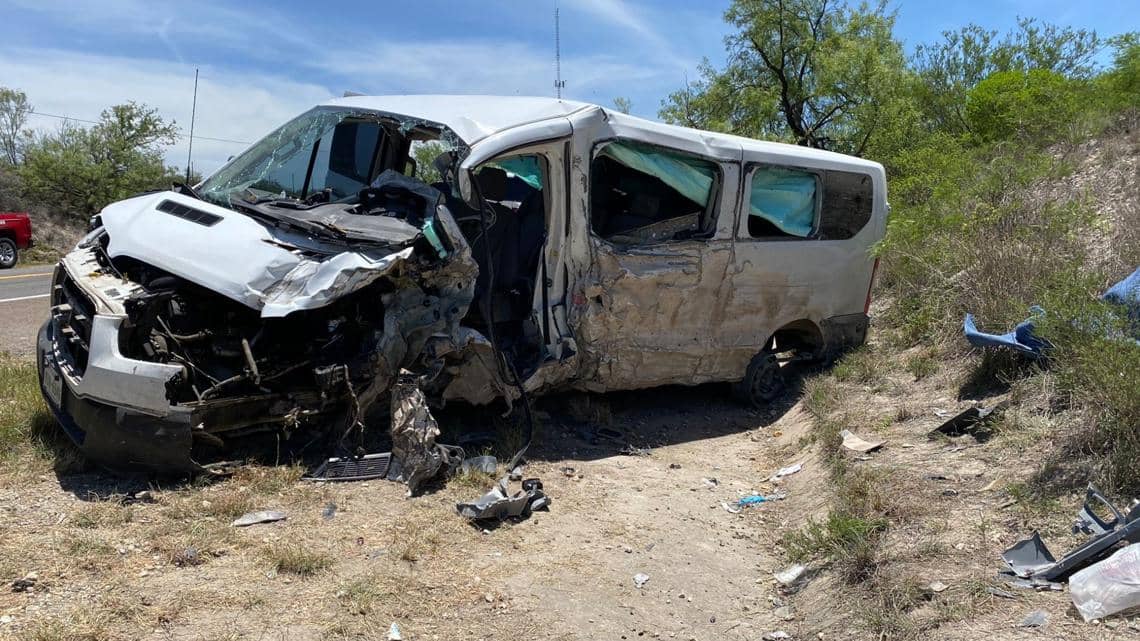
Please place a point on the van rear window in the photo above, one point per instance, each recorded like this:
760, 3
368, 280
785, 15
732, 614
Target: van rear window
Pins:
796, 204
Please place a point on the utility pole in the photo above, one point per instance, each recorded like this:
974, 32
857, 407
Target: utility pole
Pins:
559, 83
193, 113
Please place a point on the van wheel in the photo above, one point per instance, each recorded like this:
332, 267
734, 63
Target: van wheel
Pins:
762, 383
7, 253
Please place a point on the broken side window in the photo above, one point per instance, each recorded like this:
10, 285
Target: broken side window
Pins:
786, 203
644, 194
782, 202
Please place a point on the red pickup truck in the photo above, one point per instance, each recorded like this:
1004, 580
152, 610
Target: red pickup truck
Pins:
15, 234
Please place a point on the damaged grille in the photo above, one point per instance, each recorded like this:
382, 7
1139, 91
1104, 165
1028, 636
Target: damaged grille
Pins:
72, 313
189, 213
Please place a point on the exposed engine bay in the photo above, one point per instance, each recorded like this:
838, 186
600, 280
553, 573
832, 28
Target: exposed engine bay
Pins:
302, 349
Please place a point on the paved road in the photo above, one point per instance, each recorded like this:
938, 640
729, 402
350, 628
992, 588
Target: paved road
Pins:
23, 307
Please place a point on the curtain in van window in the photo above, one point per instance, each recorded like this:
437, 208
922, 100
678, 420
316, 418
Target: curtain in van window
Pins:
785, 198
692, 177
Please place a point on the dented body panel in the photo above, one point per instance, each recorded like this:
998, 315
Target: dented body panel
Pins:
284, 298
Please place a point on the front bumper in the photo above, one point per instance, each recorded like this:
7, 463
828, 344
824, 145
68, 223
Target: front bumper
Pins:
126, 440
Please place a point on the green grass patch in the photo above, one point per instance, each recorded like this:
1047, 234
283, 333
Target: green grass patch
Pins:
26, 425
294, 558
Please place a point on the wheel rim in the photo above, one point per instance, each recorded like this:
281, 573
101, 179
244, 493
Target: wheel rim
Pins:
7, 253
766, 385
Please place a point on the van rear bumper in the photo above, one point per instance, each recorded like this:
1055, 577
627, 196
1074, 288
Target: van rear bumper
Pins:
841, 333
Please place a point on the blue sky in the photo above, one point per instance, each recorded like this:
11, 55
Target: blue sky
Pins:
263, 62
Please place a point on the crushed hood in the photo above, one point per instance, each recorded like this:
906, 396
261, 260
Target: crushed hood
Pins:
273, 270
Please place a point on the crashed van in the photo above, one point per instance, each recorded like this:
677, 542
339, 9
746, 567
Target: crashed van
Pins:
546, 244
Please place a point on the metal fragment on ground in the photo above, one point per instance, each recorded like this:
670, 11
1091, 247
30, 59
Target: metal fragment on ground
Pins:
262, 516
415, 455
500, 504
974, 421
856, 443
1030, 558
362, 468
640, 579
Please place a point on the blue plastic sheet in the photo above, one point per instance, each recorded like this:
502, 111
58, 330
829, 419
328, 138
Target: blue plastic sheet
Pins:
692, 177
785, 198
1125, 294
1021, 338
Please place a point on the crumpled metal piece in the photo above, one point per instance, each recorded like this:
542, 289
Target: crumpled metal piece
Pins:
1030, 558
499, 504
415, 455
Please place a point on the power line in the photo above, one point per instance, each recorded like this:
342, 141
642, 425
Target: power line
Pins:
179, 135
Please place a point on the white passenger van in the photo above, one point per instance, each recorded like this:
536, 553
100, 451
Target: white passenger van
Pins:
551, 245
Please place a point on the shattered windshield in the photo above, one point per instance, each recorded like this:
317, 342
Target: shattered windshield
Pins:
329, 150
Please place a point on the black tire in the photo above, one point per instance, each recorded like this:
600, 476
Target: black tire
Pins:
763, 381
8, 254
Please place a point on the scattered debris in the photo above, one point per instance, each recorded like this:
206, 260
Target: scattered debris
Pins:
516, 473
26, 584
756, 499
1021, 339
711, 482
361, 468
329, 511
776, 636
484, 464
1109, 586
640, 579
975, 421
674, 466
498, 504
936, 586
1039, 585
784, 613
856, 443
1029, 558
263, 516
731, 509
394, 633
1035, 619
791, 575
1000, 593
187, 557
786, 471
415, 455
568, 471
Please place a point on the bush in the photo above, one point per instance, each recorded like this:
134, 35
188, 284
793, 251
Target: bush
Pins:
1035, 107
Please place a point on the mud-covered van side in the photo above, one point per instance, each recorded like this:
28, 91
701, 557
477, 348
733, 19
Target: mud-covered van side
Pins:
550, 245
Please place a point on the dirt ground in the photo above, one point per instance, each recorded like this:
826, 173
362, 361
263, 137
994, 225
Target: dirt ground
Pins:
647, 496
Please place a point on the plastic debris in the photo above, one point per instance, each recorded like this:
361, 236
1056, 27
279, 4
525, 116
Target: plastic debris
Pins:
640, 579
1109, 586
483, 464
731, 509
776, 636
1030, 559
1035, 619
329, 511
790, 575
754, 499
1021, 338
974, 421
936, 586
786, 471
394, 633
998, 592
263, 516
856, 443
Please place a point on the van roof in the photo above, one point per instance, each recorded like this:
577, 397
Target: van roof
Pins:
473, 118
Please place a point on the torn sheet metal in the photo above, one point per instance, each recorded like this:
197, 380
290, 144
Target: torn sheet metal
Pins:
499, 504
416, 457
1030, 558
1021, 338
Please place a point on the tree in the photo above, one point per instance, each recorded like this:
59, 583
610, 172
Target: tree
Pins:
1034, 107
623, 104
80, 170
14, 110
815, 72
951, 68
425, 154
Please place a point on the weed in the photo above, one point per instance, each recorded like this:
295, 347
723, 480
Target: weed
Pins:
840, 534
820, 395
921, 365
295, 558
360, 595
858, 366
103, 514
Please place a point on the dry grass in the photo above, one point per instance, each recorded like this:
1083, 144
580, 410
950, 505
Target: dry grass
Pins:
297, 558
